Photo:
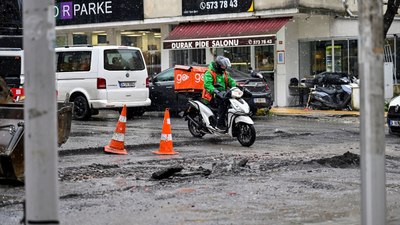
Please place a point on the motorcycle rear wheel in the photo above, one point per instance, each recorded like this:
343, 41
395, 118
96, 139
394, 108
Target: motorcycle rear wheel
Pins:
315, 105
246, 134
194, 130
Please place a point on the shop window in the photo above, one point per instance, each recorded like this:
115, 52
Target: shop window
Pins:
80, 39
239, 57
153, 61
149, 41
397, 57
61, 40
339, 61
129, 41
320, 56
189, 57
390, 55
264, 60
353, 58
101, 39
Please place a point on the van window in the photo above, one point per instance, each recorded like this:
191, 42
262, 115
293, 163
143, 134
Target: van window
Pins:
74, 61
123, 59
10, 66
10, 70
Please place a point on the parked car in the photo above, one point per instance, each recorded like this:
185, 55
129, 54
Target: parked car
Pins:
393, 116
163, 95
102, 77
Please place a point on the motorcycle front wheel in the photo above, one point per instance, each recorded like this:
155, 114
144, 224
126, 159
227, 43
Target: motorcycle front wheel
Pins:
194, 130
246, 134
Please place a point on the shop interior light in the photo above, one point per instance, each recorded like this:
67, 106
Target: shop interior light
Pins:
78, 33
98, 32
127, 32
133, 35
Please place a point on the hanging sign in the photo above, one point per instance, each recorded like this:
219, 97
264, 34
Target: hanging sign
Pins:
101, 11
205, 7
219, 43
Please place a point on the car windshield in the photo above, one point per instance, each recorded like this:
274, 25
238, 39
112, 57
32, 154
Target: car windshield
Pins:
237, 74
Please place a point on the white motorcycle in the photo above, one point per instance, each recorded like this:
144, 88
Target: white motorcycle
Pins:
202, 119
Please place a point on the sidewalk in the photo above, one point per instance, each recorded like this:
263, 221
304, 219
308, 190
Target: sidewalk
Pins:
296, 111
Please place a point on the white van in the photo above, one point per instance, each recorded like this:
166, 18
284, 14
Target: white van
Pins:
102, 77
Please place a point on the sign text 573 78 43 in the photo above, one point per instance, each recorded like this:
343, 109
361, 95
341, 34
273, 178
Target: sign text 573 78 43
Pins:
205, 7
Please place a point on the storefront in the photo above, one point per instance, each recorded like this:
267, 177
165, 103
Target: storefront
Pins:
282, 43
248, 43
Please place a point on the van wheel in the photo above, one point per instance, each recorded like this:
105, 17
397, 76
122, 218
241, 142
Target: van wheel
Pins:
81, 108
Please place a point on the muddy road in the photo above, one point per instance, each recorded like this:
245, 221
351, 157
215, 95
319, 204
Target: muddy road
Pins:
301, 170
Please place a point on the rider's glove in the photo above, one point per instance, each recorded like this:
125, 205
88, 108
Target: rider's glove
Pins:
220, 94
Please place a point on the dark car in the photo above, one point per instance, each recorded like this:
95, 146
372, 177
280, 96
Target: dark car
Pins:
163, 95
393, 116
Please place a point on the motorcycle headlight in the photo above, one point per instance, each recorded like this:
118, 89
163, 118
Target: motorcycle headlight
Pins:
236, 92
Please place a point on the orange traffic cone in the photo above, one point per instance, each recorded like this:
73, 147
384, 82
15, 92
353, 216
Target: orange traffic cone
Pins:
116, 145
166, 147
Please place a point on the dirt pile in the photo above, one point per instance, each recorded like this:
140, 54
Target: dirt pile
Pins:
347, 160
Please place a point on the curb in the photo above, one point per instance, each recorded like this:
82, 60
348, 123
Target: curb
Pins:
304, 112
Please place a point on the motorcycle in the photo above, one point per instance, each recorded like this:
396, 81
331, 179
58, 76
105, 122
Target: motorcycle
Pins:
203, 120
333, 96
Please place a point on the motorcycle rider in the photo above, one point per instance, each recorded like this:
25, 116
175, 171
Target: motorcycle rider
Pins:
217, 74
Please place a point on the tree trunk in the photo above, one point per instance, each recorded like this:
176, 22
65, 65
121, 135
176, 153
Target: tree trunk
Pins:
392, 7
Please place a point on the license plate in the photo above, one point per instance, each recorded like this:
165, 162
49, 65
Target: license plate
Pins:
260, 100
394, 123
127, 84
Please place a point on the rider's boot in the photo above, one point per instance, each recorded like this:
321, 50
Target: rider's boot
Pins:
221, 123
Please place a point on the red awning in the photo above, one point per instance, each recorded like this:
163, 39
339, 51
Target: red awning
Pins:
226, 29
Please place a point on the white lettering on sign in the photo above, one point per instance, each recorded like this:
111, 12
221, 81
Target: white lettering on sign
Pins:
93, 8
201, 44
180, 45
181, 78
198, 77
56, 11
224, 43
66, 10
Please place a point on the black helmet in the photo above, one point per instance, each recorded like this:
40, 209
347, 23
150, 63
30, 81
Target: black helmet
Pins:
223, 61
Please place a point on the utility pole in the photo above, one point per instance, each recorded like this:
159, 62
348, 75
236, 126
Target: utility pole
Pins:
370, 56
40, 113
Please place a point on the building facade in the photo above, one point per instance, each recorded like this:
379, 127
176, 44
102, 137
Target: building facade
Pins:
282, 39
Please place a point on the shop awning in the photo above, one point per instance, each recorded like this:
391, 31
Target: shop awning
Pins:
232, 33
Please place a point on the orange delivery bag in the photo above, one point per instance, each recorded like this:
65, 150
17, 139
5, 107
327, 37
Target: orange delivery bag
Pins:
189, 78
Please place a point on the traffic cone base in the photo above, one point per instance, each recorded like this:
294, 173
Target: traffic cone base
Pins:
108, 149
166, 146
116, 145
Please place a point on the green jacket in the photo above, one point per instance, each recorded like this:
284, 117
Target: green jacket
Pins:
209, 81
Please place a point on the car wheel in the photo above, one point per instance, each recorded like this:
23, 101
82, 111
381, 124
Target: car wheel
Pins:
253, 111
391, 131
132, 112
81, 108
174, 114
